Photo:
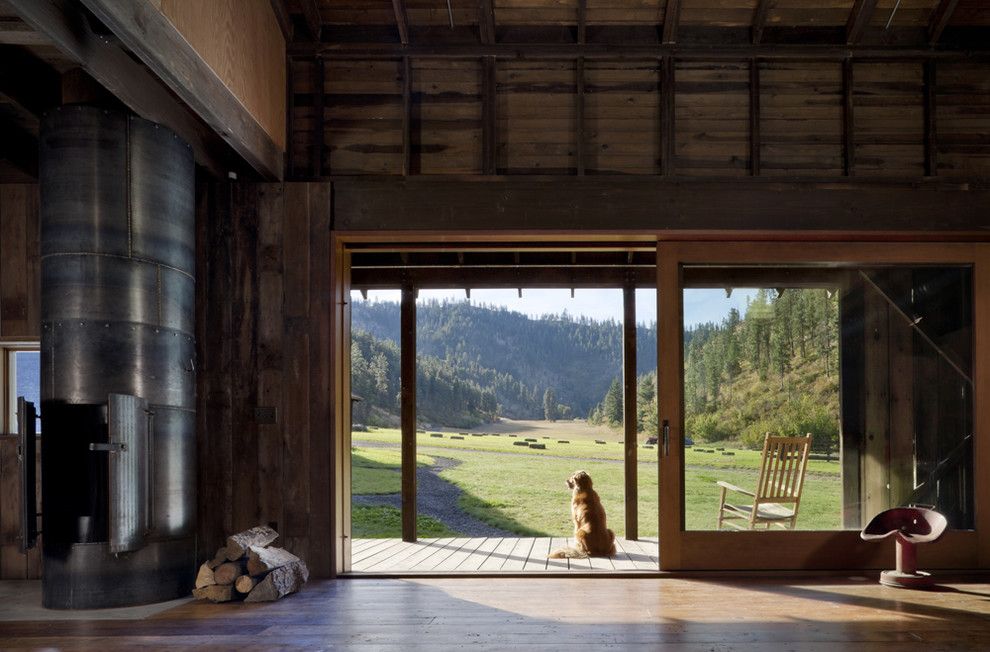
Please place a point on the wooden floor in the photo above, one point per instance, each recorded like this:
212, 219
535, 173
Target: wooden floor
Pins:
557, 613
495, 556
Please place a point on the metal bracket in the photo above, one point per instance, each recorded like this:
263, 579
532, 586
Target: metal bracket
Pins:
112, 447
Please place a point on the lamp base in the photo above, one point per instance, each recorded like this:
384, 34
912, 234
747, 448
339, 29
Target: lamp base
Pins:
901, 580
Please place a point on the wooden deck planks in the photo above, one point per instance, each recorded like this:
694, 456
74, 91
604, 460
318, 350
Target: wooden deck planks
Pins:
494, 555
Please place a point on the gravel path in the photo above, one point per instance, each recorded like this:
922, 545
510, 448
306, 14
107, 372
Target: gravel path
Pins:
437, 499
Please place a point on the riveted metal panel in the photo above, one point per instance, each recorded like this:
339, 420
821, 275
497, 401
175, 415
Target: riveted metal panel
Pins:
95, 359
117, 289
174, 481
162, 196
83, 180
130, 490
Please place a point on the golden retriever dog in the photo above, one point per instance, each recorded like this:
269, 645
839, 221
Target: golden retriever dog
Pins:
591, 537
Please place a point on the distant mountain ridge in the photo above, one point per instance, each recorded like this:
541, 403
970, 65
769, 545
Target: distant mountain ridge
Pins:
514, 355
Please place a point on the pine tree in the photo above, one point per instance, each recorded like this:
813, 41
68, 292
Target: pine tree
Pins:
549, 405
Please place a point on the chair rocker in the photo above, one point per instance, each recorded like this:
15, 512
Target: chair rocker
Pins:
778, 490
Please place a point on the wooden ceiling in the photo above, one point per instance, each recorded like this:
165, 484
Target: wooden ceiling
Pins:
701, 23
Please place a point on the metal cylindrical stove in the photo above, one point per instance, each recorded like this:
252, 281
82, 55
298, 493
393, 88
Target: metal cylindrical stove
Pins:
117, 357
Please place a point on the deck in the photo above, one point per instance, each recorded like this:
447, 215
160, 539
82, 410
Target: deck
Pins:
495, 556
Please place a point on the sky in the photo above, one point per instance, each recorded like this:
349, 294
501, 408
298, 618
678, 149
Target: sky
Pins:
700, 306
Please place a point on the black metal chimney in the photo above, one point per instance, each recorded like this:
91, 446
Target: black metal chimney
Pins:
117, 360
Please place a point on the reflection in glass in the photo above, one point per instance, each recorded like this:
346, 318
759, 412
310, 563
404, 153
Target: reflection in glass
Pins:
874, 363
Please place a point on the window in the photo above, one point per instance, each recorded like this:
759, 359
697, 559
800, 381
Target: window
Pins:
21, 377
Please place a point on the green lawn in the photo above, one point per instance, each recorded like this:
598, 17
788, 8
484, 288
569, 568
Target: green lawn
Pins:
386, 522
525, 492
376, 470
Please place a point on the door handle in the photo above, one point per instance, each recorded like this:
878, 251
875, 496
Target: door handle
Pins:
666, 437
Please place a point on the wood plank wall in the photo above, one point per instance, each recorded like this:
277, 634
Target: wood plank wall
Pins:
800, 131
20, 318
263, 331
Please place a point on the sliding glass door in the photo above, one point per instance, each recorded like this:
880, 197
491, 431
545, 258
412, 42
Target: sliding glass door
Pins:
866, 358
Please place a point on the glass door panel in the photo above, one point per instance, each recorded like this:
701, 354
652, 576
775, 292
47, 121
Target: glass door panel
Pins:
876, 362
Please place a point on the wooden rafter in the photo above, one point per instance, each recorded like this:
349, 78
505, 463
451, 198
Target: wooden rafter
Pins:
311, 15
486, 21
671, 17
66, 27
611, 51
859, 18
760, 14
582, 21
940, 18
154, 40
283, 18
401, 20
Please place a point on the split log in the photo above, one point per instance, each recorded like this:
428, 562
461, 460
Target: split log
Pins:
261, 560
215, 593
237, 544
245, 583
280, 582
205, 576
218, 558
227, 573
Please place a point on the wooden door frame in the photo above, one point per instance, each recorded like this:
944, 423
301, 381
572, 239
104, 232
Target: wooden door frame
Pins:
841, 549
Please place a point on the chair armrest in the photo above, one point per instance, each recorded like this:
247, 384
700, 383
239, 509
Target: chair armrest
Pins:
732, 487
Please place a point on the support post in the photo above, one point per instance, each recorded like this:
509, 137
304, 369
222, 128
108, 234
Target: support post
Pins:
629, 411
408, 410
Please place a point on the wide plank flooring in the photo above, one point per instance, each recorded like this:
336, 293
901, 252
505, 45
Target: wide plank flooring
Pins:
495, 555
550, 613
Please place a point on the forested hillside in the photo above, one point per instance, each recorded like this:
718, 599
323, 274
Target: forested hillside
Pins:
773, 369
516, 357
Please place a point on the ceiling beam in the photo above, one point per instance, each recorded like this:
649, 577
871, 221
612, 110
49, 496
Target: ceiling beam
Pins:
147, 33
16, 32
601, 51
486, 21
760, 15
859, 18
65, 26
940, 19
401, 20
671, 18
311, 16
283, 18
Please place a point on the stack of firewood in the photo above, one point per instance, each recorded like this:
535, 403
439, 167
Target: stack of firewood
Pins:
248, 568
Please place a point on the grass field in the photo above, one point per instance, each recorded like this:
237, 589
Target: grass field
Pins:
522, 490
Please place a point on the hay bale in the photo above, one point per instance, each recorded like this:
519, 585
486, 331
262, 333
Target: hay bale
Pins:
538, 446
520, 443
456, 437
600, 441
435, 434
563, 441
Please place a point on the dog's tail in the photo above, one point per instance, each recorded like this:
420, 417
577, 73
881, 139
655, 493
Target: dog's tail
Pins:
568, 552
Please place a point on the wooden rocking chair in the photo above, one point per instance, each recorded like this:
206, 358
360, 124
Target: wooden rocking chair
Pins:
778, 491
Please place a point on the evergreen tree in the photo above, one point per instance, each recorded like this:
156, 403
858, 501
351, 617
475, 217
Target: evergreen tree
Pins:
549, 405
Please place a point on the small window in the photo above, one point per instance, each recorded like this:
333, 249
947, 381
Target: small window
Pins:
22, 377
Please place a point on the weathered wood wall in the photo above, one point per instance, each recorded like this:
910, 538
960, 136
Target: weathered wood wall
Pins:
20, 272
263, 332
20, 298
819, 119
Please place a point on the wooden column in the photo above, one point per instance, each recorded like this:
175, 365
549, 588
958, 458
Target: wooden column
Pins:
408, 410
931, 131
579, 99
666, 116
848, 135
754, 117
489, 98
629, 419
851, 376
406, 117
319, 137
